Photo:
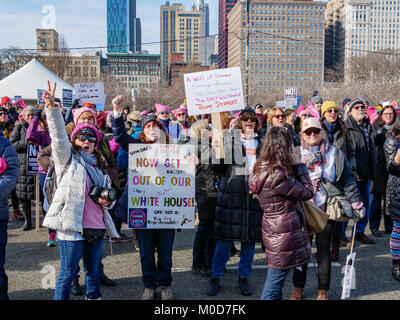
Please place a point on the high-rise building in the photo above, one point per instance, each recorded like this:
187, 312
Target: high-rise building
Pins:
355, 27
224, 7
180, 32
286, 43
123, 28
206, 42
46, 39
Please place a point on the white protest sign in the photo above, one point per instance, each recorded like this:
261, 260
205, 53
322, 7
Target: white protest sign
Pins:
161, 187
40, 96
349, 276
90, 92
214, 91
291, 96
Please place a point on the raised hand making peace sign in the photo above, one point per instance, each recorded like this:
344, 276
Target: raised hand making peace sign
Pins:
48, 96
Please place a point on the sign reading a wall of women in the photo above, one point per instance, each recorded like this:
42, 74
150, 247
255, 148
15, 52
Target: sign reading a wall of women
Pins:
214, 91
161, 187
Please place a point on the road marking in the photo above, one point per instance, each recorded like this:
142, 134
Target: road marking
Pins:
256, 267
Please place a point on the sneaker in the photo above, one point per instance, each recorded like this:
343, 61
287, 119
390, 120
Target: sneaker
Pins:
363, 239
166, 293
148, 294
52, 240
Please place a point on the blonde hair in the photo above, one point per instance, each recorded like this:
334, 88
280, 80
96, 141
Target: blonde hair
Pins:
273, 112
197, 128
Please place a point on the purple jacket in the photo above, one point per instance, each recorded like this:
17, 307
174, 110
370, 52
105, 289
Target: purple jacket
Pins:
284, 229
38, 136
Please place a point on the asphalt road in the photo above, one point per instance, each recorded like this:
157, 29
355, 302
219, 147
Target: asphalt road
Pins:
32, 269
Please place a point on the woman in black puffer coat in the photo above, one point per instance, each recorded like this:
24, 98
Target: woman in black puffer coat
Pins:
392, 155
237, 214
25, 189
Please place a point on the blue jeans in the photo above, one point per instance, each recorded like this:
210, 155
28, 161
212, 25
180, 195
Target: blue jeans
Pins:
274, 284
204, 244
3, 275
363, 188
70, 254
221, 257
154, 275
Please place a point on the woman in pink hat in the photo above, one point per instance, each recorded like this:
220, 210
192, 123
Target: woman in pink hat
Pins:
79, 210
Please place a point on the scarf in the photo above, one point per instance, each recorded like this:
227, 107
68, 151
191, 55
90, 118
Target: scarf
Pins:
90, 164
312, 160
331, 129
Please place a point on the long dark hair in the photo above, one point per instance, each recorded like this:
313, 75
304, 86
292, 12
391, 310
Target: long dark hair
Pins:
395, 131
101, 162
275, 152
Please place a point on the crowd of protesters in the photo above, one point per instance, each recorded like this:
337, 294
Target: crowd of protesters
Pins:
278, 156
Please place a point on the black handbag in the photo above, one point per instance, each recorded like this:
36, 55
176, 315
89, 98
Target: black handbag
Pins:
92, 236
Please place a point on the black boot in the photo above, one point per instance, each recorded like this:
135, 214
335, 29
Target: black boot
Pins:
76, 289
396, 269
244, 286
105, 281
28, 219
213, 287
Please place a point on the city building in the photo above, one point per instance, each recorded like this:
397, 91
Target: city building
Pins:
286, 44
46, 39
206, 42
123, 27
178, 68
356, 27
224, 7
180, 32
138, 70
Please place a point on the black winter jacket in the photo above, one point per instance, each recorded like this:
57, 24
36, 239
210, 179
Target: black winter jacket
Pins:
238, 215
25, 188
393, 185
361, 157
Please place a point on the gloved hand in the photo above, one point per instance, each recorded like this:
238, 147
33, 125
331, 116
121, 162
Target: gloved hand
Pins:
359, 214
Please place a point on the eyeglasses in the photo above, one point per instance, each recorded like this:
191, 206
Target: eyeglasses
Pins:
316, 131
280, 116
84, 138
362, 107
332, 111
180, 114
245, 119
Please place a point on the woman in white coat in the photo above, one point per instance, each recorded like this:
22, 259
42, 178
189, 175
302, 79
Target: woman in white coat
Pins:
78, 213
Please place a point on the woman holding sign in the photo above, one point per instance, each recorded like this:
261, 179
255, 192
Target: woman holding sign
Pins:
25, 189
154, 274
78, 211
237, 213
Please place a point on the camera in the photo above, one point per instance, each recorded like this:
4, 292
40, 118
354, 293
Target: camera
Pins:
109, 195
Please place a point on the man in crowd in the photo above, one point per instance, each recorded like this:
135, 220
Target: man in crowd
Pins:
12, 112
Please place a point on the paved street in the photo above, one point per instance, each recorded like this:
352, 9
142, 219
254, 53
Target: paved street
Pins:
27, 257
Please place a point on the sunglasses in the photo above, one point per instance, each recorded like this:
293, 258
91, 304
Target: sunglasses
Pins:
332, 111
84, 138
164, 112
362, 107
180, 114
310, 131
3, 114
306, 115
245, 119
280, 116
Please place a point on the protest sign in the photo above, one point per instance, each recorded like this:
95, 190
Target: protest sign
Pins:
67, 98
32, 165
161, 187
40, 96
133, 94
291, 97
214, 91
17, 98
90, 92
349, 276
20, 103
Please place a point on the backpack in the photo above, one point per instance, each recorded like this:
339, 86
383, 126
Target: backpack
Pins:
50, 184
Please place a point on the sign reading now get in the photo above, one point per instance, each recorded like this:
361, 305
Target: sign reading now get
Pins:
214, 91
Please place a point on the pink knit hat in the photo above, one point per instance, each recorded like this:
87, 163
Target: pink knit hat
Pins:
78, 112
160, 108
300, 110
145, 113
83, 126
179, 110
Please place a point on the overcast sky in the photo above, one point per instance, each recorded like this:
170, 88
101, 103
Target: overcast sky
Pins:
83, 23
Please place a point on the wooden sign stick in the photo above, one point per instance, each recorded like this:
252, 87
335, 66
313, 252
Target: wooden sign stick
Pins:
37, 196
218, 137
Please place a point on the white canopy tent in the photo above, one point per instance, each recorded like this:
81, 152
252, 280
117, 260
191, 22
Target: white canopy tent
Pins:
25, 82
